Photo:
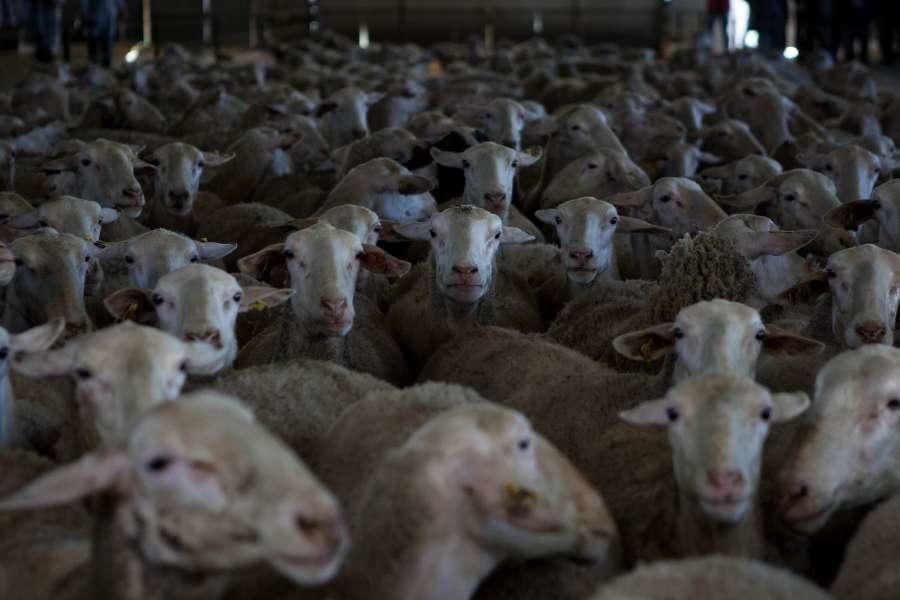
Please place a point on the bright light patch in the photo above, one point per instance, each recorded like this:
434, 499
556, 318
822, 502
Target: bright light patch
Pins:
791, 53
751, 39
363, 36
537, 23
133, 54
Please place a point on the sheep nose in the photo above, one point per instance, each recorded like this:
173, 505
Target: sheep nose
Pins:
132, 192
179, 195
334, 307
210, 336
871, 332
323, 532
581, 255
465, 269
794, 492
724, 480
495, 197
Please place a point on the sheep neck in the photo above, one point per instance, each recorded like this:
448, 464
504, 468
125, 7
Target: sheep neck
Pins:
296, 341
697, 534
119, 572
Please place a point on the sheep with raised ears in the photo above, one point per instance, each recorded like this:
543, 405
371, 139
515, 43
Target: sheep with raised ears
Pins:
854, 170
343, 116
883, 208
846, 452
322, 263
720, 577
730, 139
196, 303
705, 491
502, 120
387, 188
173, 511
461, 286
675, 203
869, 570
475, 473
490, 172
600, 173
739, 176
690, 111
176, 185
81, 218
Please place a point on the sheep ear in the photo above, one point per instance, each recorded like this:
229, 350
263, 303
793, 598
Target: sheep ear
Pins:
514, 235
631, 199
325, 108
298, 224
113, 251
647, 344
7, 265
806, 290
142, 165
28, 220
529, 156
46, 364
108, 215
374, 97
389, 232
775, 243
788, 405
37, 339
547, 215
259, 297
92, 473
709, 158
376, 260
633, 225
779, 342
851, 215
214, 159
453, 160
411, 185
547, 125
214, 250
131, 304
652, 412
261, 263
416, 231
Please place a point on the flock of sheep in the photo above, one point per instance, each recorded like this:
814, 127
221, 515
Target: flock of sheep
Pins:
560, 322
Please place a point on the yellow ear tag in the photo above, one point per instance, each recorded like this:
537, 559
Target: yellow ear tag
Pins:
204, 240
130, 312
519, 497
647, 350
258, 305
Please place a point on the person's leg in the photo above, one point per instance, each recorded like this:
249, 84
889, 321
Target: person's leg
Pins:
106, 50
723, 22
92, 49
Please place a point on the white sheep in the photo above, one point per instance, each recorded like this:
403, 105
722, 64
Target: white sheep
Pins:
869, 570
67, 214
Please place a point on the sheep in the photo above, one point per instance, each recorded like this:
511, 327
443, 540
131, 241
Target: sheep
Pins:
720, 577
176, 185
730, 139
675, 203
7, 166
717, 425
174, 497
881, 208
214, 109
845, 454
690, 111
404, 99
683, 159
196, 303
869, 570
853, 169
740, 175
397, 144
648, 134
67, 214
490, 171
460, 287
386, 187
600, 173
322, 263
343, 115
124, 109
461, 450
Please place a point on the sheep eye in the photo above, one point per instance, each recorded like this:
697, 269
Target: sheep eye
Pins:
359, 255
830, 274
87, 259
4, 352
100, 221
742, 176
672, 414
19, 262
201, 164
43, 223
195, 259
288, 254
876, 204
677, 333
85, 162
466, 164
183, 366
377, 229
558, 220
432, 233
515, 164
129, 260
766, 413
790, 198
497, 235
614, 220
592, 166
158, 463
157, 299
894, 404
83, 373
665, 198
829, 168
761, 334
237, 297
576, 127
524, 444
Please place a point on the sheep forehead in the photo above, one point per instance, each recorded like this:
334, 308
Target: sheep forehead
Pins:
49, 246
881, 258
736, 226
161, 239
719, 311
490, 151
587, 206
717, 393
481, 427
350, 217
131, 345
677, 186
69, 205
178, 151
320, 237
466, 217
862, 366
209, 277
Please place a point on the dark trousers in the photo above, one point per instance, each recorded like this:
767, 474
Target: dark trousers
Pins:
100, 50
721, 18
43, 26
888, 14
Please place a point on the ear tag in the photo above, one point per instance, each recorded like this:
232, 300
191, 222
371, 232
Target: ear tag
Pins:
259, 305
130, 312
647, 350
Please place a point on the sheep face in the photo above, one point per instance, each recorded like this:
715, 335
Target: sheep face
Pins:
579, 129
464, 243
151, 255
675, 203
490, 170
360, 221
197, 303
344, 115
81, 218
717, 426
742, 175
138, 113
690, 111
731, 140
7, 165
847, 449
179, 169
865, 289
599, 174
502, 120
120, 372
49, 281
853, 169
388, 189
186, 499
884, 208
586, 228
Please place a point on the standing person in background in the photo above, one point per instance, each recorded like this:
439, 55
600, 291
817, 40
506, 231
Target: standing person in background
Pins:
43, 28
717, 12
101, 20
769, 19
855, 20
888, 13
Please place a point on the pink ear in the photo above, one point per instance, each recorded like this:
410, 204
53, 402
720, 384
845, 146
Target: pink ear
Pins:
376, 260
92, 473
